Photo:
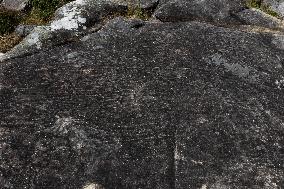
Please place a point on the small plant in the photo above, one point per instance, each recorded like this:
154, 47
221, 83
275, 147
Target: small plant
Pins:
257, 4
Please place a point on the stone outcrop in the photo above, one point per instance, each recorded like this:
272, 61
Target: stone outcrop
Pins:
15, 5
189, 102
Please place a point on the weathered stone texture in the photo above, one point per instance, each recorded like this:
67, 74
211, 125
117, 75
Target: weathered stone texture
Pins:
17, 5
146, 104
258, 18
218, 11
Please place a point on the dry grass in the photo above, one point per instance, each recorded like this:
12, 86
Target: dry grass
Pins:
8, 41
258, 29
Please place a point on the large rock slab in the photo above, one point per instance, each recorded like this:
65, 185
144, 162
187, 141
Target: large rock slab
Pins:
146, 105
220, 12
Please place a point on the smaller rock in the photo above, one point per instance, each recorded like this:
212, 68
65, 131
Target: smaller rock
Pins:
16, 5
275, 5
24, 30
259, 18
216, 11
40, 38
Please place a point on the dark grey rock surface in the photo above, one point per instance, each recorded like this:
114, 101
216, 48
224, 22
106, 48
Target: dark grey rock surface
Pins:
146, 104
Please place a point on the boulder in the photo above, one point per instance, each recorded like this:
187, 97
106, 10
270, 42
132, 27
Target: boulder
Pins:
15, 5
257, 17
218, 11
146, 105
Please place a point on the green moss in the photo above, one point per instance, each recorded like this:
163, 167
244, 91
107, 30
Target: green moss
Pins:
257, 4
271, 12
135, 11
254, 4
44, 9
138, 12
8, 21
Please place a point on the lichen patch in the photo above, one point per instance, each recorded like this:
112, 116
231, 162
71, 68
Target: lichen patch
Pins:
71, 19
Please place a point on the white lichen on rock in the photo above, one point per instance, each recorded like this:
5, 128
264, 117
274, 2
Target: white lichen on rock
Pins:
33, 39
280, 83
72, 17
62, 124
93, 186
